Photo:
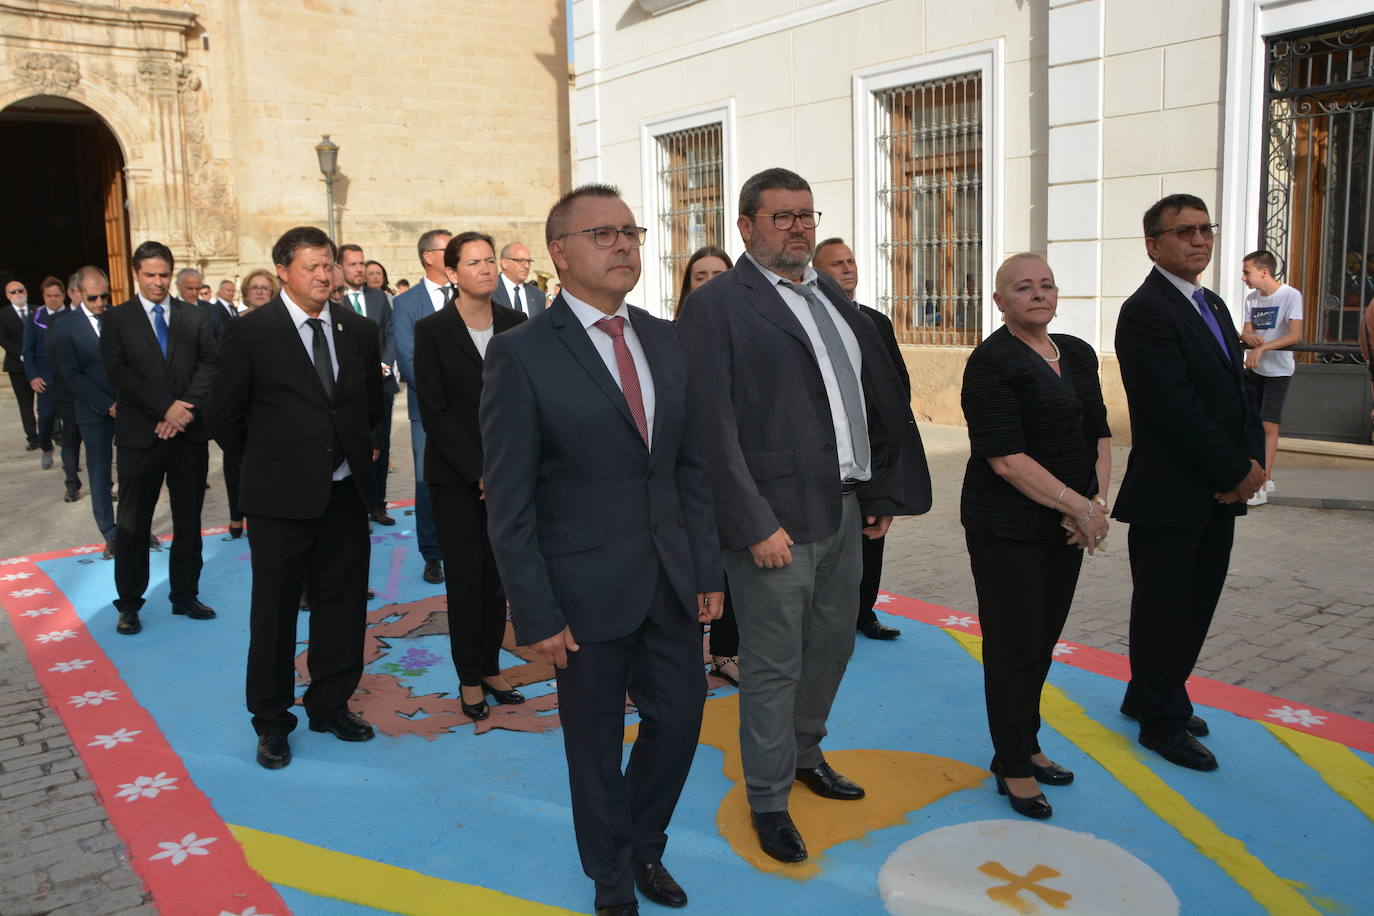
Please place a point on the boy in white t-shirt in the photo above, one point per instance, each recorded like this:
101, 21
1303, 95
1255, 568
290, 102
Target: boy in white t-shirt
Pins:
1273, 321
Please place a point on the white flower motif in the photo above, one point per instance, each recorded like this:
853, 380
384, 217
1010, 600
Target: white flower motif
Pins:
29, 592
884, 599
93, 698
15, 577
75, 664
1063, 648
956, 620
56, 636
251, 911
40, 612
115, 738
146, 787
89, 548
13, 560
1290, 716
190, 845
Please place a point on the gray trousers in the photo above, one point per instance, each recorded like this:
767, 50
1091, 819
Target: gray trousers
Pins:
796, 627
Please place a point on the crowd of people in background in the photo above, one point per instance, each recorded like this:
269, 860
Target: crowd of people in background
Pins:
615, 483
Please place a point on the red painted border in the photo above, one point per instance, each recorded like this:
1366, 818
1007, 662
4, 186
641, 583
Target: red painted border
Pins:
1251, 704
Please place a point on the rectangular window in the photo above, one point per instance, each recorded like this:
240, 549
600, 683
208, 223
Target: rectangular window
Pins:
928, 176
689, 173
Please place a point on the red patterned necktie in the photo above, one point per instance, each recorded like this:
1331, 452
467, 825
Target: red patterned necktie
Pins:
625, 368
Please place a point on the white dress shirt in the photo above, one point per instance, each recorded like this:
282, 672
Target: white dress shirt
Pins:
166, 313
605, 348
356, 299
436, 292
510, 286
307, 335
796, 302
1182, 285
95, 322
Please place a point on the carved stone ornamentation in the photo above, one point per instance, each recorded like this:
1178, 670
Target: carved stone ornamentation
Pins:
50, 74
168, 75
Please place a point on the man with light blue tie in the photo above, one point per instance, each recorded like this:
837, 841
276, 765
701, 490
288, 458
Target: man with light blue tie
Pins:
424, 298
512, 291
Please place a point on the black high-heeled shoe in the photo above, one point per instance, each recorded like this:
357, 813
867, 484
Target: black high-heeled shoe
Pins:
1052, 775
474, 711
510, 697
236, 531
1035, 807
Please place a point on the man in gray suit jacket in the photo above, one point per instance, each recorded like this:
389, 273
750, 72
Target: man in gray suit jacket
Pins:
806, 424
511, 289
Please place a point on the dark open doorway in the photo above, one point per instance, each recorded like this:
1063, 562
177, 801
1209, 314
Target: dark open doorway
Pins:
63, 187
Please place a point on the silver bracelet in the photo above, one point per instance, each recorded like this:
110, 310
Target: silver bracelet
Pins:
1089, 516
1059, 497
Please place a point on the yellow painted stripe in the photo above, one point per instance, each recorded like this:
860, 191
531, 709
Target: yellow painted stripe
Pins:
1119, 757
327, 873
1338, 766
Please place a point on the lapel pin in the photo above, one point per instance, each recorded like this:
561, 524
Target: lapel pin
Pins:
339, 327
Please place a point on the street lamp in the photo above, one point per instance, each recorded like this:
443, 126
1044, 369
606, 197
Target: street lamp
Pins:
328, 152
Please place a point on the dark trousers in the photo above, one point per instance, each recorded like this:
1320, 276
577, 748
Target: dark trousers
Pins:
47, 418
476, 608
1024, 592
873, 574
382, 434
1177, 575
621, 815
23, 394
233, 470
183, 464
724, 636
326, 556
99, 440
71, 444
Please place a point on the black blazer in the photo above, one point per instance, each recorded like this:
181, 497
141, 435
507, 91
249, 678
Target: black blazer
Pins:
1194, 427
268, 405
377, 307
769, 434
58, 388
146, 382
218, 315
581, 515
76, 354
12, 338
448, 376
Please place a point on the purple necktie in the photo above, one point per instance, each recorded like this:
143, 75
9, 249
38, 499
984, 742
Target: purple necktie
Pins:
1207, 316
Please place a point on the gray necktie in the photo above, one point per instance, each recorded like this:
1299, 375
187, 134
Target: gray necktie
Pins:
850, 393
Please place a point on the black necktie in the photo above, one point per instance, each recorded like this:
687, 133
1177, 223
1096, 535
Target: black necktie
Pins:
319, 351
448, 294
519, 306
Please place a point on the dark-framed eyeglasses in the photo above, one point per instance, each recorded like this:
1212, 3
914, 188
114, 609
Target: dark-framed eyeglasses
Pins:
523, 262
784, 220
605, 236
1185, 233
98, 297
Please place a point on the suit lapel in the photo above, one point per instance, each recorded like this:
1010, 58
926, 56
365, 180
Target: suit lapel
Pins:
458, 334
653, 354
499, 296
291, 338
574, 337
1193, 319
767, 301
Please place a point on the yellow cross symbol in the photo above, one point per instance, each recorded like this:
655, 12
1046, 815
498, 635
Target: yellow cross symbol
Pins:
1007, 894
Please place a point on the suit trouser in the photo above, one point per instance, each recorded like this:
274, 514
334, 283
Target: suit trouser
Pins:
724, 637
183, 464
618, 816
476, 608
23, 394
873, 574
233, 470
1177, 575
1024, 591
426, 534
71, 444
47, 418
796, 626
326, 556
99, 439
382, 434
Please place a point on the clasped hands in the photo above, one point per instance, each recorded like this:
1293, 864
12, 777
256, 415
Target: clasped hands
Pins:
175, 420
1247, 487
775, 551
556, 648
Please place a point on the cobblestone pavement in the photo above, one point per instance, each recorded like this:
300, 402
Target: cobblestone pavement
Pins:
1297, 620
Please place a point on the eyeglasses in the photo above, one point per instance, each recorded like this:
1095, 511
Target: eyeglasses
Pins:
525, 262
98, 297
784, 220
605, 236
1185, 233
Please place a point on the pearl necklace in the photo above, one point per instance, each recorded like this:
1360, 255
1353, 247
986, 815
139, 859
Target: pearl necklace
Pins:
1035, 351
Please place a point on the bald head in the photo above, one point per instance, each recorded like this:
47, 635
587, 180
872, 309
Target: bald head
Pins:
1004, 273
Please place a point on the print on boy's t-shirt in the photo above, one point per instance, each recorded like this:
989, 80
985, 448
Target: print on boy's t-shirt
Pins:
1264, 317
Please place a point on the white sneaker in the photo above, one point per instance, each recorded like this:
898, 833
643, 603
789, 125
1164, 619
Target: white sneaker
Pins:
1260, 498
1269, 485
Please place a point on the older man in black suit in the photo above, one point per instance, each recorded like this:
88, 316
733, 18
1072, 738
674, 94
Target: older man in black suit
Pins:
14, 314
158, 352
297, 393
806, 424
512, 287
1196, 446
608, 554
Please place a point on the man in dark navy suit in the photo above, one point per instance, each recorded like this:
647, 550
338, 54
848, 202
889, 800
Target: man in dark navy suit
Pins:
40, 374
1196, 446
512, 289
601, 522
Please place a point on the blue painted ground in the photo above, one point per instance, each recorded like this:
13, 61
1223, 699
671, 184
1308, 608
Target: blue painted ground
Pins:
492, 809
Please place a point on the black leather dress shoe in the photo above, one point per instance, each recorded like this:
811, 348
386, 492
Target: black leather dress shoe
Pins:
654, 882
510, 697
875, 630
434, 572
195, 609
1197, 726
73, 494
1182, 749
778, 836
474, 711
274, 751
346, 726
31, 447
128, 623
1036, 806
379, 516
827, 783
619, 909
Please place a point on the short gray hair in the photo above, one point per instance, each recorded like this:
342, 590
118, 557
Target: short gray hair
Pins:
751, 195
186, 272
427, 241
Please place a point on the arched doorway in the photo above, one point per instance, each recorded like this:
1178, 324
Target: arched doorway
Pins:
63, 194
